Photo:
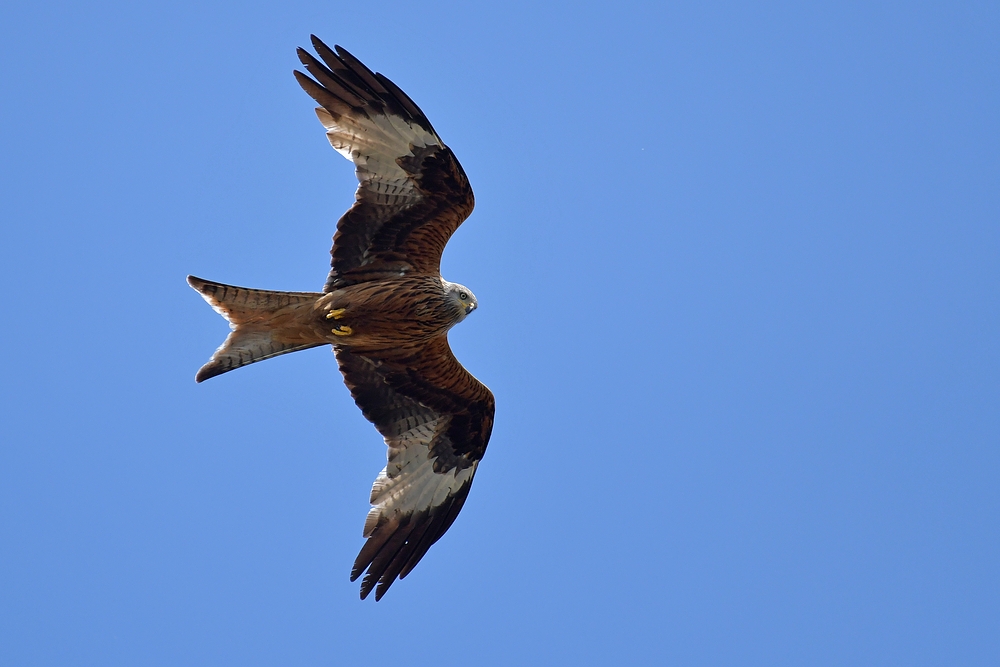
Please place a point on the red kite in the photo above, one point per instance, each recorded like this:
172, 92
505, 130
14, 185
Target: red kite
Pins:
386, 311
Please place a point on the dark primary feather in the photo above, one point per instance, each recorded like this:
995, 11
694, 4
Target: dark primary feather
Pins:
380, 90
391, 227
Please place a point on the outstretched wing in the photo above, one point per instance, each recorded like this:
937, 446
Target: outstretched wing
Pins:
436, 419
412, 193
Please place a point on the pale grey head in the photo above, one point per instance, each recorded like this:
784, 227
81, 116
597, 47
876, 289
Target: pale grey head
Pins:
462, 297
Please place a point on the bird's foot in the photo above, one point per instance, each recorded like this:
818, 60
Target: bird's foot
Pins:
342, 330
336, 314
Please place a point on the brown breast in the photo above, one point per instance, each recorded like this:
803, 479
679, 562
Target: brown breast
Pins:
386, 313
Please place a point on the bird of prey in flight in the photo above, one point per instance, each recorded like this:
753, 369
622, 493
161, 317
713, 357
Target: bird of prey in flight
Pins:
386, 311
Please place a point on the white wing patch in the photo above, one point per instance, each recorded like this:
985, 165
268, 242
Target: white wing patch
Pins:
408, 483
374, 144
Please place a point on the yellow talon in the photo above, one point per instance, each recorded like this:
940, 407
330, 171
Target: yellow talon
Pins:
342, 331
336, 314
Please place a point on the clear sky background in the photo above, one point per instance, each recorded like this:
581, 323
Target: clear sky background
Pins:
738, 267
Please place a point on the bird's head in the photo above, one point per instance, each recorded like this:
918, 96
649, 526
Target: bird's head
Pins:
463, 298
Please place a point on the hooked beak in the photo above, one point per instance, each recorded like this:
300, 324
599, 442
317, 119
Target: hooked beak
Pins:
471, 307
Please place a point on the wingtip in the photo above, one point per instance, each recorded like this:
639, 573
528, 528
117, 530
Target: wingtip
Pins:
318, 43
312, 89
208, 371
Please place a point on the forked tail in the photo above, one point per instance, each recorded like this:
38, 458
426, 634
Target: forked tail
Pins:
265, 324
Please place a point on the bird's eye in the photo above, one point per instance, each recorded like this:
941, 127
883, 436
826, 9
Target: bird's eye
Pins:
463, 295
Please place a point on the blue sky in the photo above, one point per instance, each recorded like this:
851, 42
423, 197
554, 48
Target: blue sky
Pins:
738, 268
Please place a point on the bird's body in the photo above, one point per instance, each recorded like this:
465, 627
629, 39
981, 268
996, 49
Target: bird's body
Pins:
385, 309
391, 312
387, 314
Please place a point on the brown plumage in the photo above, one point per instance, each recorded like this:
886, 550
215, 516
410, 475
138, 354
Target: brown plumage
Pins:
385, 309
